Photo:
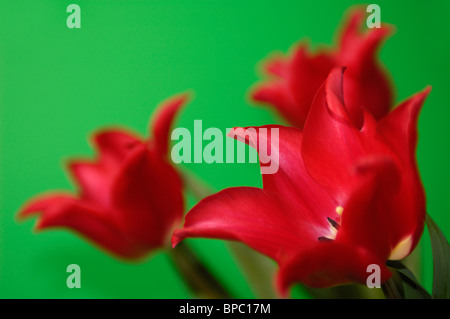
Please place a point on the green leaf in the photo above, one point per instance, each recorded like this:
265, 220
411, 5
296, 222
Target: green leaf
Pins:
412, 287
441, 260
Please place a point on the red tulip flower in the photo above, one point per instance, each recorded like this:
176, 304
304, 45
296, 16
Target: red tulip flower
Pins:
295, 79
130, 198
342, 199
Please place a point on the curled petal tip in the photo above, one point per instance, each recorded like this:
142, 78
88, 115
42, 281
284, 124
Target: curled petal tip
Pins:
163, 119
427, 90
247, 135
186, 95
24, 214
168, 108
256, 93
179, 99
274, 65
40, 225
418, 99
39, 204
176, 239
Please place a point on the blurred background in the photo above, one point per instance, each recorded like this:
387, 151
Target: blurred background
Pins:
57, 85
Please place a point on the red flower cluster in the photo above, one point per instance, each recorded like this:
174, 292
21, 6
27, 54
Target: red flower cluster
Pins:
347, 193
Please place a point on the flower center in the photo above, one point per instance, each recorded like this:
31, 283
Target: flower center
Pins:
334, 227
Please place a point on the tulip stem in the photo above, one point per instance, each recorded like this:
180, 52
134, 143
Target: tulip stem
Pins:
196, 187
199, 279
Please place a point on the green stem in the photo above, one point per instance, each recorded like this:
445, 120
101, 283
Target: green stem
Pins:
257, 268
197, 188
198, 278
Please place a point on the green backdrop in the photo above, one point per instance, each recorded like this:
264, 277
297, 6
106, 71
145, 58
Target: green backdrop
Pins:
57, 85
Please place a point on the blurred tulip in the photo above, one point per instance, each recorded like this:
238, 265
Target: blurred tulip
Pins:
130, 198
295, 79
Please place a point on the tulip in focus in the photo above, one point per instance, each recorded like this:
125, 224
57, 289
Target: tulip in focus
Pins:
344, 197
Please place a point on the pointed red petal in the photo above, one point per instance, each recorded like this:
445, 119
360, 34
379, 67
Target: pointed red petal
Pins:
114, 145
41, 203
277, 65
400, 126
253, 216
163, 119
360, 46
96, 226
147, 195
367, 83
400, 130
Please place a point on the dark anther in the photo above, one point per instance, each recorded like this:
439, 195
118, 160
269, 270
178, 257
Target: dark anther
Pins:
333, 223
322, 238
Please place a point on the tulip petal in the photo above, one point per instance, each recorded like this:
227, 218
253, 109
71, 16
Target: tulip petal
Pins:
114, 145
373, 218
327, 264
399, 129
162, 121
78, 216
308, 72
94, 181
400, 126
281, 146
367, 82
41, 203
94, 178
276, 93
255, 217
298, 80
358, 45
332, 144
276, 66
147, 196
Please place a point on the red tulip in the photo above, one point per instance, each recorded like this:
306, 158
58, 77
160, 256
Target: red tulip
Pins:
295, 79
343, 197
130, 197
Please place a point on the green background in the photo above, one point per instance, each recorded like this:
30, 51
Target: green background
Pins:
57, 85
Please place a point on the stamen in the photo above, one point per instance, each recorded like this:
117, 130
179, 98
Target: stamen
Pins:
323, 239
333, 223
339, 210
